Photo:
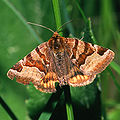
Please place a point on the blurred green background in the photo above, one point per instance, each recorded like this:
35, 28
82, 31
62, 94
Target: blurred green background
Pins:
17, 39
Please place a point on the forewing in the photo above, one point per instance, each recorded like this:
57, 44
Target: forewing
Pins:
90, 59
34, 68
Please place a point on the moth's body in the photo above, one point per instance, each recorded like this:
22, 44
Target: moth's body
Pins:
63, 60
60, 61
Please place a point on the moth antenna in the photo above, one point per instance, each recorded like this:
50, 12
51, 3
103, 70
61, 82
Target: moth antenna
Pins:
63, 25
40, 26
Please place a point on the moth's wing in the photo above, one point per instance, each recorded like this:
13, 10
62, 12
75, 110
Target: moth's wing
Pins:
77, 78
34, 68
90, 59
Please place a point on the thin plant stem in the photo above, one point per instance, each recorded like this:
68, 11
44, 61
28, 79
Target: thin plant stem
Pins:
7, 109
68, 103
56, 9
91, 32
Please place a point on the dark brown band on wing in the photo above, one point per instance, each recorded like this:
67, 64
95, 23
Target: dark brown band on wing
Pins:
35, 63
17, 67
101, 50
74, 49
41, 55
88, 49
81, 59
87, 52
29, 60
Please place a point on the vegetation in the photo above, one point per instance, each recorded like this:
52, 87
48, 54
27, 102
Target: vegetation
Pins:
97, 21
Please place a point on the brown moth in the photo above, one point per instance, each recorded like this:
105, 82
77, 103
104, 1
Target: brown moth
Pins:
68, 61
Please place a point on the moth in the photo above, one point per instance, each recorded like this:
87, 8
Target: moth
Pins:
68, 61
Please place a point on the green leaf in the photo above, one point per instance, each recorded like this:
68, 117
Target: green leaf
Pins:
45, 115
37, 101
84, 96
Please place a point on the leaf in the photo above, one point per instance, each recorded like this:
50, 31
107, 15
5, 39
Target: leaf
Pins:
45, 115
37, 101
84, 96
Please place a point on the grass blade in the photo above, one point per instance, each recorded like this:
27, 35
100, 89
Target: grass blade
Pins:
45, 116
68, 102
91, 32
57, 13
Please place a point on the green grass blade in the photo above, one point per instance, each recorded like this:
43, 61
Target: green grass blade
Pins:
69, 112
91, 32
22, 19
68, 103
115, 66
45, 116
56, 9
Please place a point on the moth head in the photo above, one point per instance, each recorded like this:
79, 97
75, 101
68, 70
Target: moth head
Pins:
56, 35
56, 43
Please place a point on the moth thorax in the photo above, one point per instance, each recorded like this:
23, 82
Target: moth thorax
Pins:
56, 45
